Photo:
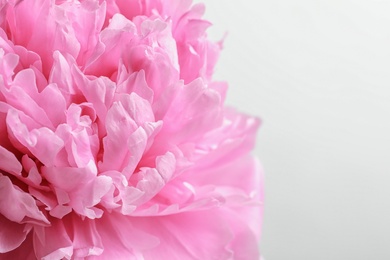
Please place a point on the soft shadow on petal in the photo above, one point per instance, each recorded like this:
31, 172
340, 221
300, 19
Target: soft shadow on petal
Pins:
24, 251
12, 235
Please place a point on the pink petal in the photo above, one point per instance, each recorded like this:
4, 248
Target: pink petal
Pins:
87, 21
47, 28
245, 240
8, 63
24, 251
160, 71
119, 126
53, 242
122, 124
22, 98
12, 235
195, 235
4, 142
194, 111
50, 99
17, 205
114, 39
134, 82
8, 162
86, 239
99, 92
54, 104
42, 142
121, 237
60, 74
152, 180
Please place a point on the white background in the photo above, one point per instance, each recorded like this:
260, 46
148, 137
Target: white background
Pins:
318, 73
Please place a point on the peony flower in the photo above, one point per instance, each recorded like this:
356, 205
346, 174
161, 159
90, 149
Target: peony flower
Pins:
115, 143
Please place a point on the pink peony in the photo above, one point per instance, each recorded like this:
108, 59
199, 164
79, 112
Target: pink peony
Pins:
115, 143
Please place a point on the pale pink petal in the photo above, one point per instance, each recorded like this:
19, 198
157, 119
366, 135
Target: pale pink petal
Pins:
125, 125
244, 244
61, 75
121, 237
119, 126
97, 91
195, 235
201, 112
84, 200
8, 63
138, 142
87, 21
17, 205
53, 102
68, 178
81, 143
225, 175
8, 162
42, 142
122, 196
160, 71
135, 83
233, 139
114, 39
50, 99
152, 180
84, 189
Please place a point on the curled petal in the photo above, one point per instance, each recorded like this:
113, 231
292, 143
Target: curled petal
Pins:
41, 142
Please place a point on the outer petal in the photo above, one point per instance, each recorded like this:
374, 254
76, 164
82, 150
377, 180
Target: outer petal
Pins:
12, 235
245, 242
121, 237
195, 235
24, 251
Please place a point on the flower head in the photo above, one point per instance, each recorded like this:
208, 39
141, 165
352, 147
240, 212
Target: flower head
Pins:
115, 143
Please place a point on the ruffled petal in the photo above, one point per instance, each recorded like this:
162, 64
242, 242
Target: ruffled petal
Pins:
115, 143
43, 143
46, 28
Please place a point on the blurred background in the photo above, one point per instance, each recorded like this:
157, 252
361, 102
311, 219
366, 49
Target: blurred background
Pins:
318, 74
